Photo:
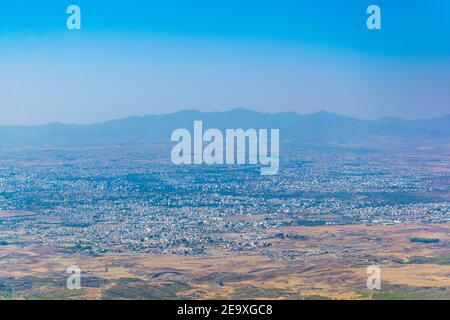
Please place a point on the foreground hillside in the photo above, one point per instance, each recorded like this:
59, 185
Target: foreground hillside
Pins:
335, 268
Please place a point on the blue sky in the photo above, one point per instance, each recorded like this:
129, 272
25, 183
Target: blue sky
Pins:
138, 57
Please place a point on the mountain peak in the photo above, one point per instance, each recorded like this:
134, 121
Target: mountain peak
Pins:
242, 111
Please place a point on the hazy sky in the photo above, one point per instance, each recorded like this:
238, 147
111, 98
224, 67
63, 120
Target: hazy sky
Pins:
139, 57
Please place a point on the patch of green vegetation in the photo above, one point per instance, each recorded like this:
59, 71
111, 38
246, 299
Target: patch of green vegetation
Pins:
396, 292
443, 261
308, 223
364, 295
78, 248
93, 282
245, 293
57, 294
281, 235
140, 290
316, 298
35, 288
424, 240
9, 286
127, 280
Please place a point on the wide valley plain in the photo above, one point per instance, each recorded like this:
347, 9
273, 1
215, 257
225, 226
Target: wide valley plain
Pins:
140, 228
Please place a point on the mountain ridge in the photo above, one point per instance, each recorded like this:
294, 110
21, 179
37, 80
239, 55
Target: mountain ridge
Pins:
316, 127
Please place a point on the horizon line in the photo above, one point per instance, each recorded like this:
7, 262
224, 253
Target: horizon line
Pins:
236, 109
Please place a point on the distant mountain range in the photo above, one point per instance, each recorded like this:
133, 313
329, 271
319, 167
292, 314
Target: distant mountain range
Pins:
317, 127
